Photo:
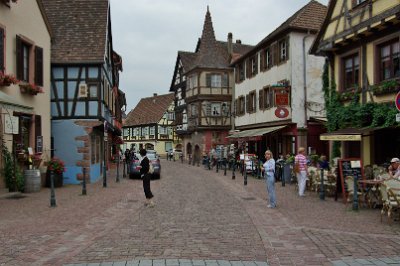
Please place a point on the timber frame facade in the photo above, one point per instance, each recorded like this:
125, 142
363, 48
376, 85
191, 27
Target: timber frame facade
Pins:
361, 40
203, 84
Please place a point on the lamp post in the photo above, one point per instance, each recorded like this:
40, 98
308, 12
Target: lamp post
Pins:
105, 160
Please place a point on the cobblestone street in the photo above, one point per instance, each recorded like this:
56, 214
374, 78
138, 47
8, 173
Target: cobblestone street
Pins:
201, 218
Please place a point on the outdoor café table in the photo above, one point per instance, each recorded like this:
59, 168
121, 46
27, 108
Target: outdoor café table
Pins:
372, 194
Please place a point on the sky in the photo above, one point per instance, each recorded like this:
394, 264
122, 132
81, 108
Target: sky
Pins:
149, 33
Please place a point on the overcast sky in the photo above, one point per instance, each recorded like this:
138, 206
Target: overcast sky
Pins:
149, 33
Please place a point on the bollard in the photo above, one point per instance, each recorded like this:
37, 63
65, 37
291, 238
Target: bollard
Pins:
217, 163
355, 194
322, 187
123, 170
225, 167
245, 177
117, 180
84, 181
281, 175
52, 193
233, 169
209, 163
104, 176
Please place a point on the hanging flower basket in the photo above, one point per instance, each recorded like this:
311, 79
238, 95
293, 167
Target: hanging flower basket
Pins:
30, 88
7, 80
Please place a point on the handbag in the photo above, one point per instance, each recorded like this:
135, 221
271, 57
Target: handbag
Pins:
296, 168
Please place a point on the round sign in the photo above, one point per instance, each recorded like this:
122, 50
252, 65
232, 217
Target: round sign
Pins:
281, 112
398, 101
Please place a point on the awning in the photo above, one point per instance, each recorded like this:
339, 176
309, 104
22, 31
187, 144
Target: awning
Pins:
10, 103
254, 134
346, 134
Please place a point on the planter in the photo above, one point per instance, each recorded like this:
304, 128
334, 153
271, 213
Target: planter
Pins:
58, 179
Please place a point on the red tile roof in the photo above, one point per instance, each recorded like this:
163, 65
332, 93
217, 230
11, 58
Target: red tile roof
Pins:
149, 110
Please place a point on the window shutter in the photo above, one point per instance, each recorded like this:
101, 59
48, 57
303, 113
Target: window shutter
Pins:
2, 50
248, 68
275, 53
260, 99
19, 58
237, 71
39, 66
208, 80
256, 63
287, 47
262, 60
247, 103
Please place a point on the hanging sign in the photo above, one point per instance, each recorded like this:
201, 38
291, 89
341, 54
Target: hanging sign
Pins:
281, 112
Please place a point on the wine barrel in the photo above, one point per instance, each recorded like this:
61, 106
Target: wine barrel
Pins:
32, 181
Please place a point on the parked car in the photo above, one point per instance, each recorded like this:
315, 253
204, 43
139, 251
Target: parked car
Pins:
154, 160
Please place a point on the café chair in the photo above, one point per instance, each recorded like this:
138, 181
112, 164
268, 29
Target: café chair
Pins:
393, 201
349, 185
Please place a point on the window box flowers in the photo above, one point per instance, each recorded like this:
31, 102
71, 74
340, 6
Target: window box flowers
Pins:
30, 88
386, 87
7, 80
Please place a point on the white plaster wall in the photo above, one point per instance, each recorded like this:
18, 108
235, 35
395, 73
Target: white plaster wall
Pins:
292, 71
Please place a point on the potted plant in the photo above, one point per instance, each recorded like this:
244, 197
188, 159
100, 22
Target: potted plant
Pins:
57, 166
14, 179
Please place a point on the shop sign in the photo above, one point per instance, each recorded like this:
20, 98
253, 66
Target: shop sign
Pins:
281, 112
281, 98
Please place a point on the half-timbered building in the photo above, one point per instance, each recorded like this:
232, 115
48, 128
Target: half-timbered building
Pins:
203, 84
279, 102
85, 100
150, 125
361, 40
25, 38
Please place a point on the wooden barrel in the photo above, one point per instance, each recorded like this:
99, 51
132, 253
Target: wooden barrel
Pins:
32, 180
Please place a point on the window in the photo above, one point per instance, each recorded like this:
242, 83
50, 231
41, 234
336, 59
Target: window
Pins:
2, 37
241, 105
389, 57
217, 80
283, 50
193, 110
192, 82
215, 109
240, 72
357, 2
252, 66
152, 131
251, 102
266, 58
27, 71
351, 71
267, 98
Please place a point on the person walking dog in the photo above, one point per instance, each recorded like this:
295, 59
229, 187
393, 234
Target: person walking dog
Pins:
269, 175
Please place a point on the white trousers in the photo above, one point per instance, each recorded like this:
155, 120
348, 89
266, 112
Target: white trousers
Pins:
302, 179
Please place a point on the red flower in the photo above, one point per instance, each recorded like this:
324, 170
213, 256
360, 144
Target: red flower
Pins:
57, 165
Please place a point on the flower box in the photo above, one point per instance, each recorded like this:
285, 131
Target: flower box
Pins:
7, 80
29, 88
386, 87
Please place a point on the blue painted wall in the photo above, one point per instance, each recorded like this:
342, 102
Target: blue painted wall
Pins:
66, 147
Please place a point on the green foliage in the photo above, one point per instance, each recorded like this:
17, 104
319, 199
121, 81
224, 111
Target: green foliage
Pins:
19, 182
355, 114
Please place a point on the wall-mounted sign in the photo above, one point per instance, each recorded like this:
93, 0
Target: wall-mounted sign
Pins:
11, 124
281, 112
398, 101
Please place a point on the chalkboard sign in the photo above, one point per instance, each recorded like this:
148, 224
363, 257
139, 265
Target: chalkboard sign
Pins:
350, 167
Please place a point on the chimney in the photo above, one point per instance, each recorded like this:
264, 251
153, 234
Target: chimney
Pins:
154, 94
238, 41
230, 50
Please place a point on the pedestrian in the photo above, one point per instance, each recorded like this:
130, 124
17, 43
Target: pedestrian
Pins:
323, 162
146, 176
301, 170
394, 168
269, 174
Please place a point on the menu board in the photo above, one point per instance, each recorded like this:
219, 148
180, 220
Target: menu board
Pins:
350, 167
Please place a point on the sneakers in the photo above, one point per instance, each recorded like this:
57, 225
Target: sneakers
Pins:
270, 206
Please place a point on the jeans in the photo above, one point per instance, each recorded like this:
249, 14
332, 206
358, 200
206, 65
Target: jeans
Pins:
270, 180
302, 179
